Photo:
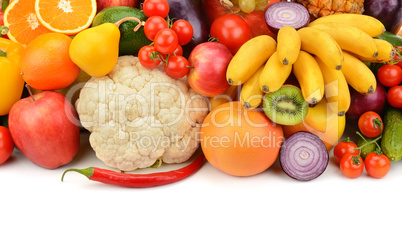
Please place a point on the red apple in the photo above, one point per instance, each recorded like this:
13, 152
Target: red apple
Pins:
45, 129
209, 61
101, 4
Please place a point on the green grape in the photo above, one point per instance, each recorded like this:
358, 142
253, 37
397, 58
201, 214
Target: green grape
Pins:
261, 4
247, 6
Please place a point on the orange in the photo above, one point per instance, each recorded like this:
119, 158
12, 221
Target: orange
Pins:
240, 142
21, 20
66, 16
46, 64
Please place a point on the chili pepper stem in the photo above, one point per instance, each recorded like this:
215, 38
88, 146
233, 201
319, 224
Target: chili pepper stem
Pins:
88, 172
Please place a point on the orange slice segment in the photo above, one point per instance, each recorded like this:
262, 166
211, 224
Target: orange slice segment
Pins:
66, 16
21, 20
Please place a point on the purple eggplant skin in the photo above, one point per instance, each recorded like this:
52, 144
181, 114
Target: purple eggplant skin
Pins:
192, 11
383, 10
397, 18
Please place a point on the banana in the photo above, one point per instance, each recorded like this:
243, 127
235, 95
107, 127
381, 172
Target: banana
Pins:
289, 43
309, 75
358, 75
274, 74
249, 58
386, 52
251, 94
321, 44
229, 95
350, 38
336, 89
368, 24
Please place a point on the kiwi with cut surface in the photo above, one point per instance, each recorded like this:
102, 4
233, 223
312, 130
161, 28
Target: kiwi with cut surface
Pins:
286, 106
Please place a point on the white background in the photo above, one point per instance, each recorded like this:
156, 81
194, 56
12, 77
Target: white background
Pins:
33, 195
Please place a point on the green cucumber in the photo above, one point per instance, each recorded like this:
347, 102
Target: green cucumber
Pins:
391, 143
130, 41
395, 40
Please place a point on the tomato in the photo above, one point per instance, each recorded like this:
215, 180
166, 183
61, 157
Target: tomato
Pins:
389, 75
231, 30
352, 165
376, 165
153, 25
147, 56
394, 96
6, 144
345, 147
184, 31
177, 67
155, 8
178, 51
3, 30
369, 124
166, 41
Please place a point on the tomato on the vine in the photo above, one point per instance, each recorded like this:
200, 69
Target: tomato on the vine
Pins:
177, 66
178, 51
148, 57
376, 165
394, 96
6, 144
155, 8
345, 147
231, 30
184, 31
352, 165
389, 75
153, 25
370, 124
166, 41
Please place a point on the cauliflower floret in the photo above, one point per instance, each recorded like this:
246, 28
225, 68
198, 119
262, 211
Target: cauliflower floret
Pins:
136, 116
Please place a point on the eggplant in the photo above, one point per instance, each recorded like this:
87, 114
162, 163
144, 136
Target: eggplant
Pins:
192, 11
383, 10
397, 19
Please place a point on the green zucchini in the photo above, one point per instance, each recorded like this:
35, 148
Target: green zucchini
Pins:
391, 142
130, 41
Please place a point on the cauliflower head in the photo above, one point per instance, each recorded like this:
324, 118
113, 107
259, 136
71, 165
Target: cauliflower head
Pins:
137, 116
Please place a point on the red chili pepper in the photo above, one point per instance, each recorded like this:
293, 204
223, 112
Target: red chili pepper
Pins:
139, 180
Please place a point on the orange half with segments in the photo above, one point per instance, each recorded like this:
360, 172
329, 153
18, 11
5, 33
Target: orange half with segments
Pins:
65, 16
21, 20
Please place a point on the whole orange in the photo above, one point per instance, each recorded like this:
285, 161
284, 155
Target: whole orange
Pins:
240, 142
46, 64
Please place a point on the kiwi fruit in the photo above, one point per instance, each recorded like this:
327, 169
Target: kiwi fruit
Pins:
286, 106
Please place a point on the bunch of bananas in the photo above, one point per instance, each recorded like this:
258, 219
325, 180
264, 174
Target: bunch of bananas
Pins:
325, 57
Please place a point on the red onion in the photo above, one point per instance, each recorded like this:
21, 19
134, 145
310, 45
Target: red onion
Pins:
303, 156
282, 14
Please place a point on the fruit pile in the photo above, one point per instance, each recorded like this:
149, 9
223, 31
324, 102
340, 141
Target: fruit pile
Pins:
282, 80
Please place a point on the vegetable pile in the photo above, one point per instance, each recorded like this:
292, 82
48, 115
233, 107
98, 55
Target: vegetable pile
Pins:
245, 82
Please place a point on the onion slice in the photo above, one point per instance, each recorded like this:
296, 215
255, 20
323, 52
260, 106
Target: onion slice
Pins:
303, 156
283, 14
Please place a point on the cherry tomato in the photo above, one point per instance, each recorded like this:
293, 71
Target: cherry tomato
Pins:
6, 144
147, 56
369, 124
177, 67
231, 30
345, 147
2, 24
178, 51
389, 75
376, 165
153, 25
394, 96
166, 41
352, 165
155, 8
184, 31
